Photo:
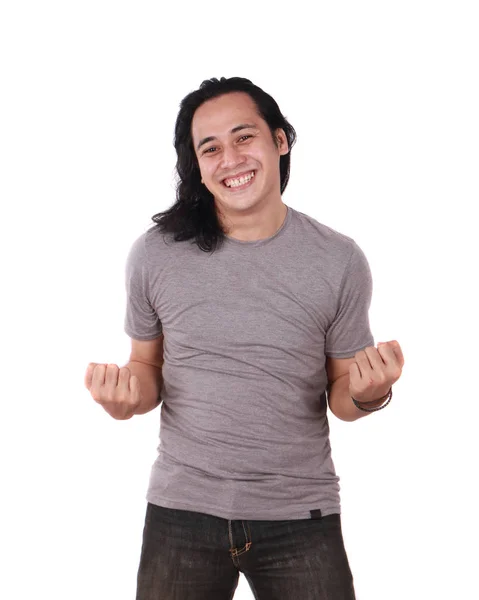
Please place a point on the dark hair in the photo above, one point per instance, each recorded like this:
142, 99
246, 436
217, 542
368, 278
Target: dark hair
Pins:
194, 215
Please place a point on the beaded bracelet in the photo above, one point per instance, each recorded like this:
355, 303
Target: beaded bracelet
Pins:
388, 397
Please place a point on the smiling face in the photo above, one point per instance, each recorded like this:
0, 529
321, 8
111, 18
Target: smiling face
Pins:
232, 141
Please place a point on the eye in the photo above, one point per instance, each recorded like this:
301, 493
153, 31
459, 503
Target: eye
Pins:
214, 147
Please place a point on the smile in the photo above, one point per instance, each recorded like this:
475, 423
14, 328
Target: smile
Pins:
239, 182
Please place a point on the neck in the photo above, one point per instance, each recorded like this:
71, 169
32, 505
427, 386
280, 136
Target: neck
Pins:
257, 226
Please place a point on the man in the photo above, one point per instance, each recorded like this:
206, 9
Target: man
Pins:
247, 319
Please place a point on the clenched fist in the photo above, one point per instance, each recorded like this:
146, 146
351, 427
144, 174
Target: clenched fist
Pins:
114, 388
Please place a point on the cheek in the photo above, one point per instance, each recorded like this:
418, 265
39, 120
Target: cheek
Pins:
208, 170
205, 175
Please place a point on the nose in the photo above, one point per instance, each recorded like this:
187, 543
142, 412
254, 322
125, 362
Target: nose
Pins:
231, 158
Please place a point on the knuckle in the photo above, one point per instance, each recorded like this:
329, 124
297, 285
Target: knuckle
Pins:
96, 396
382, 378
109, 394
120, 398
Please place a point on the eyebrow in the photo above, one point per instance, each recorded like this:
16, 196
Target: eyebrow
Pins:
234, 130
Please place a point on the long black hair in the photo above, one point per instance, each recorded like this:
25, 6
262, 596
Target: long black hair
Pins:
194, 215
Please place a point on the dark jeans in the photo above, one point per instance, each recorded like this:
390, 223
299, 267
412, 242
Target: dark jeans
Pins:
189, 555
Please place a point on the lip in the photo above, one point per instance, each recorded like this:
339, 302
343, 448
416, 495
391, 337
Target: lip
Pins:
239, 175
240, 188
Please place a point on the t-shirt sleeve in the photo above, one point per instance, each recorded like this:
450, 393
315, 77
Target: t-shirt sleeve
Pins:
350, 330
141, 320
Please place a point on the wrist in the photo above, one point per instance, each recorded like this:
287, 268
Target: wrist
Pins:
373, 405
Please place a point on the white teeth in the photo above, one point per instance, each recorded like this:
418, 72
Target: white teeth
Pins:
240, 181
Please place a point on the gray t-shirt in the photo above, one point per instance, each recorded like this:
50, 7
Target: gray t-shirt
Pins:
244, 430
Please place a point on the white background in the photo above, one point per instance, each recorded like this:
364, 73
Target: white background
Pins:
384, 97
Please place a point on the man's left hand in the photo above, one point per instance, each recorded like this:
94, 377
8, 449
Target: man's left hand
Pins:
375, 371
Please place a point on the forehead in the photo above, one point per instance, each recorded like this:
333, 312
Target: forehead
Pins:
219, 115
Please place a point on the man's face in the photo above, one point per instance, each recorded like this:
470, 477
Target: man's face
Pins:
237, 153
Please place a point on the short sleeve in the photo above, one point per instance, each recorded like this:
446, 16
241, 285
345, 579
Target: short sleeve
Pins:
350, 330
141, 320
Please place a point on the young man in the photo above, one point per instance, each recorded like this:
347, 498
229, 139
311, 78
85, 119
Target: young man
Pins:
247, 319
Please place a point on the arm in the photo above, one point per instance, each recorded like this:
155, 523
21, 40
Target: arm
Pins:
151, 381
350, 329
146, 362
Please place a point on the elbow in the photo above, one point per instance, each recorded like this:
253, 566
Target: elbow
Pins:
342, 416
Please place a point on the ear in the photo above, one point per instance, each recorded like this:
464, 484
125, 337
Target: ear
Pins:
282, 142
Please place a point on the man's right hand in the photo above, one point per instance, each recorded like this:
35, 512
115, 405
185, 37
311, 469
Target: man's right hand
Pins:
114, 388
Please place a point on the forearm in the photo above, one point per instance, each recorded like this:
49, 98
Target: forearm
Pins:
151, 381
341, 404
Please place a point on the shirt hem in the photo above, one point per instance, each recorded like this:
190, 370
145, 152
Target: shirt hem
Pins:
291, 515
